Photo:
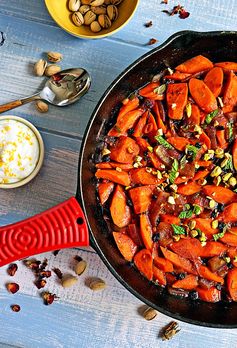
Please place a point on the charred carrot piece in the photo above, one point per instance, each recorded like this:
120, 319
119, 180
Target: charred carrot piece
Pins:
220, 194
104, 190
163, 264
189, 189
213, 249
205, 140
159, 120
120, 211
125, 122
170, 219
130, 105
179, 142
202, 95
159, 276
204, 272
189, 248
234, 154
138, 131
149, 91
121, 178
150, 128
141, 198
134, 233
178, 261
232, 283
230, 213
126, 245
146, 231
124, 166
142, 143
230, 239
214, 80
190, 282
124, 150
141, 176
103, 165
195, 64
194, 119
230, 90
205, 226
220, 135
203, 163
177, 76
156, 162
176, 97
227, 66
209, 295
201, 174
144, 263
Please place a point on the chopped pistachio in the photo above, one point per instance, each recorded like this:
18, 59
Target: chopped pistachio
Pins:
170, 71
192, 224
105, 152
226, 259
232, 181
176, 238
217, 180
211, 151
173, 106
174, 187
203, 244
216, 123
127, 187
208, 156
212, 203
226, 177
118, 169
150, 148
214, 224
171, 200
203, 237
235, 259
135, 165
148, 169
159, 131
216, 171
187, 206
138, 158
219, 152
159, 175
189, 109
202, 181
197, 166
193, 233
220, 102
198, 129
162, 166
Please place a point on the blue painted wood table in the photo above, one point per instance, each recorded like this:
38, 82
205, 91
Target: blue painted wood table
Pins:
82, 318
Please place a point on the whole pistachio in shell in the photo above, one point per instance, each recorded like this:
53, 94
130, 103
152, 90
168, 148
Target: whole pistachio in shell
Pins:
86, 2
74, 5
97, 2
104, 21
89, 17
83, 9
112, 12
77, 19
95, 27
40, 67
98, 9
54, 57
115, 2
52, 69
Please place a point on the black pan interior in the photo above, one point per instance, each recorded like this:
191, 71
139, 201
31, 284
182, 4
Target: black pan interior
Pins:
218, 46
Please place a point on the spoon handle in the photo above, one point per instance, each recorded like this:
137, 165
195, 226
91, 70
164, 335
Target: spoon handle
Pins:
9, 106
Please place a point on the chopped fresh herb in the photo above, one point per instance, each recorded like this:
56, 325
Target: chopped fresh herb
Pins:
183, 161
196, 209
210, 116
161, 89
174, 171
192, 150
218, 235
163, 142
230, 128
186, 214
178, 229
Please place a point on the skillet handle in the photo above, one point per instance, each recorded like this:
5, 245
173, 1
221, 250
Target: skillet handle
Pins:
62, 226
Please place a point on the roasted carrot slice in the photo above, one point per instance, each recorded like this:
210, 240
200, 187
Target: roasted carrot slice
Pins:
205, 226
144, 263
163, 264
170, 219
190, 282
234, 154
124, 166
195, 64
201, 174
146, 231
150, 128
202, 95
159, 276
178, 261
159, 120
230, 239
209, 295
232, 283
124, 150
227, 66
189, 189
114, 176
230, 90
126, 245
103, 165
220, 194
205, 140
230, 213
149, 91
213, 249
203, 163
104, 190
141, 176
130, 105
214, 80
177, 76
125, 122
204, 272
194, 119
156, 162
120, 211
179, 142
141, 198
134, 233
189, 248
176, 97
220, 135
138, 131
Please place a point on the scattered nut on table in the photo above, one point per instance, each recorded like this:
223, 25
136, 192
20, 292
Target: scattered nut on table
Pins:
149, 313
54, 57
52, 69
74, 5
80, 267
97, 284
39, 67
41, 106
77, 19
68, 281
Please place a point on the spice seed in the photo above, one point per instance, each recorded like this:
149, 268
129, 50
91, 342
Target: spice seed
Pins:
149, 313
97, 285
68, 281
80, 267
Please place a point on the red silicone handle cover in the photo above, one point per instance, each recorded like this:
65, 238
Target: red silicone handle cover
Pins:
62, 226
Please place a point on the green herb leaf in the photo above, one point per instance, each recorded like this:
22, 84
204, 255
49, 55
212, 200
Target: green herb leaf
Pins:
174, 171
160, 90
218, 235
193, 150
183, 162
163, 142
210, 116
178, 229
186, 214
196, 209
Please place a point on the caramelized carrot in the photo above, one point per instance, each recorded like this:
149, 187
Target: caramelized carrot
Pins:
230, 239
205, 140
159, 121
150, 128
203, 163
133, 232
126, 245
104, 190
195, 64
234, 154
131, 104
176, 97
202, 95
194, 119
214, 80
189, 189
156, 162
204, 272
232, 283
159, 276
179, 142
170, 219
220, 194
149, 91
190, 282
141, 198
230, 90
138, 131
227, 66
146, 231
201, 174
120, 211
124, 166
209, 295
141, 176
144, 263
213, 249
177, 76
124, 150
163, 264
125, 122
205, 226
178, 261
104, 165
220, 134
121, 178
230, 213
189, 248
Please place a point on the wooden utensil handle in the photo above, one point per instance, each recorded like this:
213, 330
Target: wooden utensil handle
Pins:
9, 106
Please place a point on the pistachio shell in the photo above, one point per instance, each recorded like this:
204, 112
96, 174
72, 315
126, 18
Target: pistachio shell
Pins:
97, 284
52, 69
83, 9
97, 3
149, 313
39, 67
104, 21
98, 9
86, 2
112, 12
77, 19
80, 267
115, 2
89, 17
74, 5
54, 57
95, 27
69, 281
41, 106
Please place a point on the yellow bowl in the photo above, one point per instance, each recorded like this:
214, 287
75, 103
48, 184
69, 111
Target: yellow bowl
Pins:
60, 13
41, 153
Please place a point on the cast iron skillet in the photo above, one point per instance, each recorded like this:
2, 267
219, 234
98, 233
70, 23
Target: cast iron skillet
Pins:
65, 225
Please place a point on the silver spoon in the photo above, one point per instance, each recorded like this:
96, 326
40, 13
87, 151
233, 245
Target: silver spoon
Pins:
62, 89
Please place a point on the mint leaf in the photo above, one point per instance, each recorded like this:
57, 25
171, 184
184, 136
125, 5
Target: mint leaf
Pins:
193, 150
186, 214
174, 171
178, 229
183, 162
196, 209
210, 116
163, 142
160, 90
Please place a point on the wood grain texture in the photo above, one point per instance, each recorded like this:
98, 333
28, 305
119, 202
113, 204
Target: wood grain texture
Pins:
82, 318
